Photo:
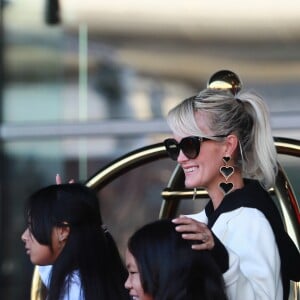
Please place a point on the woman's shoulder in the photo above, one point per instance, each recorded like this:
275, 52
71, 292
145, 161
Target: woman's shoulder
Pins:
245, 215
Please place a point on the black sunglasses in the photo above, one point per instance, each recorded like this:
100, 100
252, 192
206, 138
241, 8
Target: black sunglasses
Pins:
190, 146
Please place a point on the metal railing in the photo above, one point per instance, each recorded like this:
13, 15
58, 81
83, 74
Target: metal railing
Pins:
174, 193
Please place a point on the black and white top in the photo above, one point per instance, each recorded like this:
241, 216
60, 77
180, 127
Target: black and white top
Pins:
259, 258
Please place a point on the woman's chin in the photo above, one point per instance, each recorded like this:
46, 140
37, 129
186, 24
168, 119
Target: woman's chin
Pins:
189, 184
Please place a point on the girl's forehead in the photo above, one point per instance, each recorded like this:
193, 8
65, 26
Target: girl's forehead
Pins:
130, 259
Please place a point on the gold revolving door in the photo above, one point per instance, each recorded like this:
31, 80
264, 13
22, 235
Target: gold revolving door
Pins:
175, 192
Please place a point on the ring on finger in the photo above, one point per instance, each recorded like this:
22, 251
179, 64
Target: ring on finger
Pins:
205, 237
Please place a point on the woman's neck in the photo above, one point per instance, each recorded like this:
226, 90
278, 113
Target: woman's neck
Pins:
216, 194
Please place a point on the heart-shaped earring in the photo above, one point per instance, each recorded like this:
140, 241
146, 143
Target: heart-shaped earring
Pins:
226, 171
226, 187
226, 159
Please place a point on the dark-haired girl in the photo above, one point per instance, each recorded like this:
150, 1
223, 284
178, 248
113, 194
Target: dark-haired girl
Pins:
163, 266
77, 257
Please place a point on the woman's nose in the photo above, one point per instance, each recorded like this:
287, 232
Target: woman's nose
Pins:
181, 157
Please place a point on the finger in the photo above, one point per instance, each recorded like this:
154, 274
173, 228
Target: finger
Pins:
201, 237
192, 228
58, 179
182, 220
191, 225
192, 236
202, 246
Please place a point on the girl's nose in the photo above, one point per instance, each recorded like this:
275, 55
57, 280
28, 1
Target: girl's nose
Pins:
24, 235
127, 283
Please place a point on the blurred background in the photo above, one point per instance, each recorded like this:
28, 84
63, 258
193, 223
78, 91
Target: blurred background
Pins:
84, 82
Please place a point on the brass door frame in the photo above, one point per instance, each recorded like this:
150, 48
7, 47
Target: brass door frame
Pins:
175, 192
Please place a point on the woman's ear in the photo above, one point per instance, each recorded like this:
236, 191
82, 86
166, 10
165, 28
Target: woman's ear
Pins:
231, 144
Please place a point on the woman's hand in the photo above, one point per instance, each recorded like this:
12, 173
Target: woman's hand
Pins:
195, 231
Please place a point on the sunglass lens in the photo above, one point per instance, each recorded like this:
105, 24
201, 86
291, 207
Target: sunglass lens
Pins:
172, 148
190, 146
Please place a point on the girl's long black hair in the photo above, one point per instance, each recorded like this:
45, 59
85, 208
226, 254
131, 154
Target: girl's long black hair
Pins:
89, 249
170, 269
